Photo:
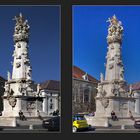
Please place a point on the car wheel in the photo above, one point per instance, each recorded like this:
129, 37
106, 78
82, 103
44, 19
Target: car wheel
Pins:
90, 128
74, 129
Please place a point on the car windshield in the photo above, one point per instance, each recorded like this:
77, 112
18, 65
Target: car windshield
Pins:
79, 118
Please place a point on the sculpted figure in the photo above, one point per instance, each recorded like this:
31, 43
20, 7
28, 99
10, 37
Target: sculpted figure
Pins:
85, 77
100, 90
29, 72
14, 54
101, 77
115, 30
130, 90
122, 74
7, 87
12, 101
38, 89
18, 57
20, 88
18, 45
111, 66
8, 76
21, 29
18, 64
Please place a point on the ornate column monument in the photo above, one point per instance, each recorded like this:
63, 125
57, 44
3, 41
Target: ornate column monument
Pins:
20, 91
112, 93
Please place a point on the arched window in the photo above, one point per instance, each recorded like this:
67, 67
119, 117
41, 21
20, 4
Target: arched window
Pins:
86, 95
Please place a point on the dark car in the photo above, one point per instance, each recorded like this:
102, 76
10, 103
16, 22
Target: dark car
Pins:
52, 124
137, 124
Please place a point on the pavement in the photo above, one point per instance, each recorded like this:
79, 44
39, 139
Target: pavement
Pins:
114, 129
26, 129
39, 129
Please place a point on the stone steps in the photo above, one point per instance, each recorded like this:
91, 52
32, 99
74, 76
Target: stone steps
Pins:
121, 122
108, 122
29, 122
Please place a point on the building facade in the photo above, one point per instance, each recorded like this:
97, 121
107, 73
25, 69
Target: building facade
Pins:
135, 91
2, 83
50, 90
83, 91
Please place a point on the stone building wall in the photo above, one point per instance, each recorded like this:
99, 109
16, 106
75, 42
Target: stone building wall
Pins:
83, 96
2, 83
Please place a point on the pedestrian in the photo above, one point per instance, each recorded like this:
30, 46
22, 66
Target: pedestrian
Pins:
38, 114
21, 116
113, 116
131, 116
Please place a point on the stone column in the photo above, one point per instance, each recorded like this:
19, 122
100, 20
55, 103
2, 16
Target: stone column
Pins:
114, 65
21, 63
137, 102
44, 104
56, 102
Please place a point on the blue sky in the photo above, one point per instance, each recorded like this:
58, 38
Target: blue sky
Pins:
44, 43
89, 38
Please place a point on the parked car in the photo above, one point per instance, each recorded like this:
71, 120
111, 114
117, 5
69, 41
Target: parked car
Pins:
52, 124
137, 124
79, 122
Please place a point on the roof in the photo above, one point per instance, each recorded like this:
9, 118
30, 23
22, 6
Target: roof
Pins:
136, 86
78, 73
50, 85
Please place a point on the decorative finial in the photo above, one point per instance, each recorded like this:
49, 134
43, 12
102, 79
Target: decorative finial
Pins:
85, 76
20, 14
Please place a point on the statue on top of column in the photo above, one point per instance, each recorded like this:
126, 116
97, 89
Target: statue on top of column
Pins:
115, 30
21, 29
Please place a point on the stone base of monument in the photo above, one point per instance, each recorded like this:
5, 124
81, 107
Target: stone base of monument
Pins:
100, 121
16, 122
108, 122
8, 122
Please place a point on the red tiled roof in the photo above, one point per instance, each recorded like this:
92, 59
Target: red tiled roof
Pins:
136, 86
78, 73
50, 85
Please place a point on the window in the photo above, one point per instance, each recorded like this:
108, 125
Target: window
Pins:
51, 106
75, 91
76, 118
86, 95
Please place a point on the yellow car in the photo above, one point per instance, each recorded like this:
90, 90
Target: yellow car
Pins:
79, 122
